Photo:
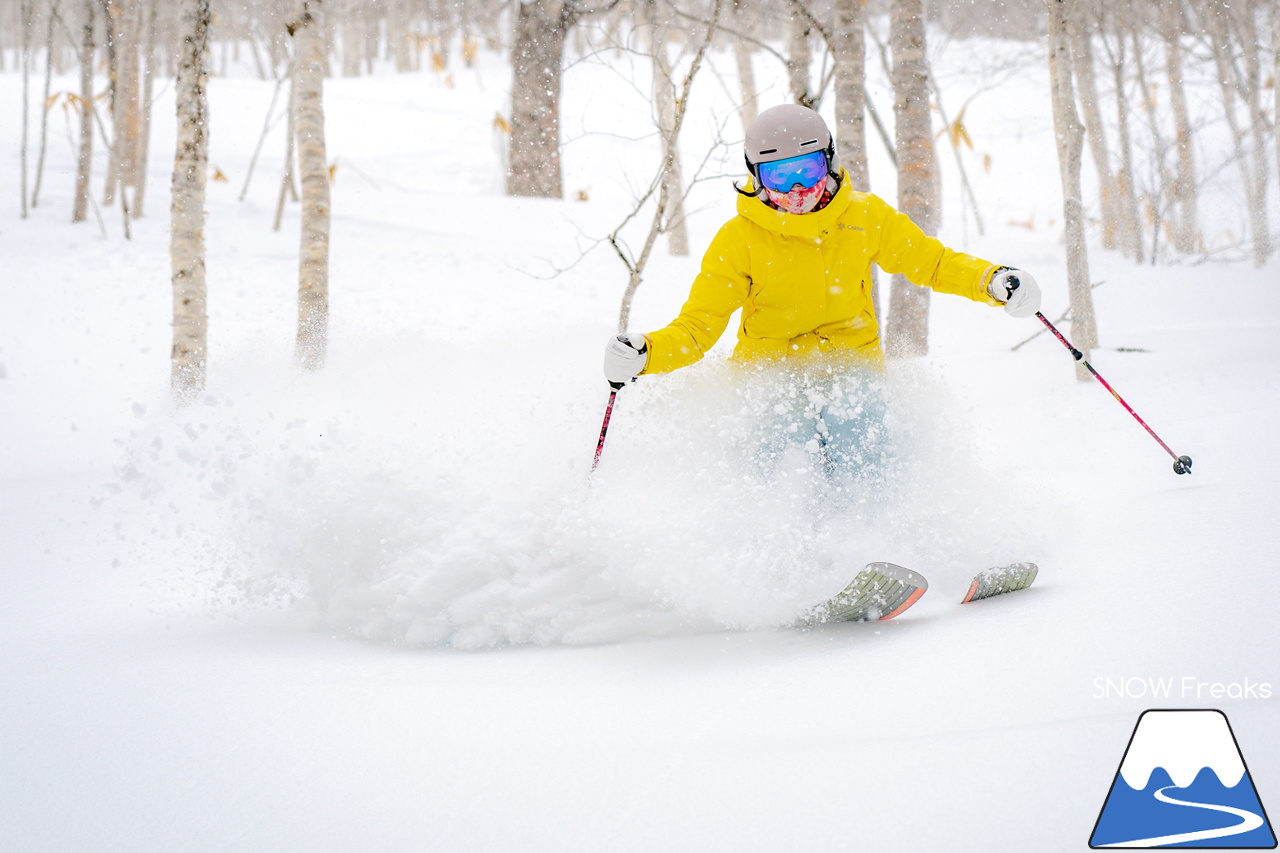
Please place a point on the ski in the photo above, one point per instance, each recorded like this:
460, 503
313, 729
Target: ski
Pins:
884, 590
880, 591
1000, 580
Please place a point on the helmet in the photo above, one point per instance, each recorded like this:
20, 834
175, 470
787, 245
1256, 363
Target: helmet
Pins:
785, 131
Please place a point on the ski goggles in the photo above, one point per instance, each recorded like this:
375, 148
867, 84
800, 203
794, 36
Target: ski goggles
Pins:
781, 175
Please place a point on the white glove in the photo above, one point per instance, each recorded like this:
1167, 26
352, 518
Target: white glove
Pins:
624, 358
1017, 290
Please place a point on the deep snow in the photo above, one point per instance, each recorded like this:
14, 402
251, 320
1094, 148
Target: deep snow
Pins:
383, 607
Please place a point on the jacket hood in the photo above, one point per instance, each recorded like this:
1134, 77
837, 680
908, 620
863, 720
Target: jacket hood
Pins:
810, 225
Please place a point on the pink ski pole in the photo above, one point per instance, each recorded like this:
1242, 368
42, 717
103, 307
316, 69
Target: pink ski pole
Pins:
1181, 464
604, 427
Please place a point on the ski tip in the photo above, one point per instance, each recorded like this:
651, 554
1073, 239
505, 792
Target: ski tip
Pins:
899, 573
880, 591
1000, 580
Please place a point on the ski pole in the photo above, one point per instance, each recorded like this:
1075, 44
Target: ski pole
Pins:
1181, 464
604, 427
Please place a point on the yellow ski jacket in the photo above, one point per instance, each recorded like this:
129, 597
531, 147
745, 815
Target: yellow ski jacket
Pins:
803, 281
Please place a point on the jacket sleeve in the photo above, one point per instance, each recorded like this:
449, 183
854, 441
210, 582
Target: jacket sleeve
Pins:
904, 248
720, 289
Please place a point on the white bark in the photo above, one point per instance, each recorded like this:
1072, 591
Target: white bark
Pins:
1130, 231
1251, 92
742, 53
24, 16
800, 57
44, 111
1070, 138
190, 168
84, 163
1215, 18
850, 91
313, 272
907, 329
664, 98
533, 165
143, 143
1184, 184
1095, 129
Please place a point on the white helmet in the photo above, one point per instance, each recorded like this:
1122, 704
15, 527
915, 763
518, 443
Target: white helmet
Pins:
786, 131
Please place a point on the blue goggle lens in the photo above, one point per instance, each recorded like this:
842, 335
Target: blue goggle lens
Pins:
805, 170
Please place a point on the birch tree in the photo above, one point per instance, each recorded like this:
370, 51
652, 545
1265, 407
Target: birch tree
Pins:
142, 144
313, 272
1253, 178
84, 161
907, 332
1095, 129
24, 21
186, 242
799, 58
533, 161
1184, 182
850, 89
1127, 201
1245, 18
44, 112
664, 97
1070, 139
743, 50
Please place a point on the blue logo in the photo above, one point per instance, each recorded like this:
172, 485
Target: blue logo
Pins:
1183, 783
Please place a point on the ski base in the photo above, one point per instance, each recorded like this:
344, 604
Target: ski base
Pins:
1000, 580
880, 591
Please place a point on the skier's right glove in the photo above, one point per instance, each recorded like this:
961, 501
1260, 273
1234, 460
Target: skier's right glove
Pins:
624, 358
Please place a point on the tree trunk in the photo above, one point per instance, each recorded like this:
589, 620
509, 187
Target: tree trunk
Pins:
742, 53
186, 244
144, 111
1159, 147
1184, 183
111, 34
287, 186
536, 58
907, 332
664, 98
1216, 26
800, 57
1095, 129
850, 90
44, 111
1070, 137
313, 273
1246, 18
851, 104
84, 163
127, 99
1130, 219
24, 15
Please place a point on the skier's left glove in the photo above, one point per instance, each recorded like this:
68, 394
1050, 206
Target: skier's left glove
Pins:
1017, 290
624, 357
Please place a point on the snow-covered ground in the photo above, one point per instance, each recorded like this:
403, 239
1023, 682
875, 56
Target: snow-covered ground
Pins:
382, 608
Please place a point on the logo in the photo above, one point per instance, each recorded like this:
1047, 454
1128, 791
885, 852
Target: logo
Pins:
1183, 782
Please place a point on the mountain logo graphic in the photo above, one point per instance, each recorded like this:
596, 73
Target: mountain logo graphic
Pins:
1183, 783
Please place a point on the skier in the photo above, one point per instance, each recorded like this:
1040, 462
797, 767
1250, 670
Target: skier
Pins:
797, 261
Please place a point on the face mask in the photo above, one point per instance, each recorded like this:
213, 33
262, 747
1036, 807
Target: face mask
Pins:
799, 200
